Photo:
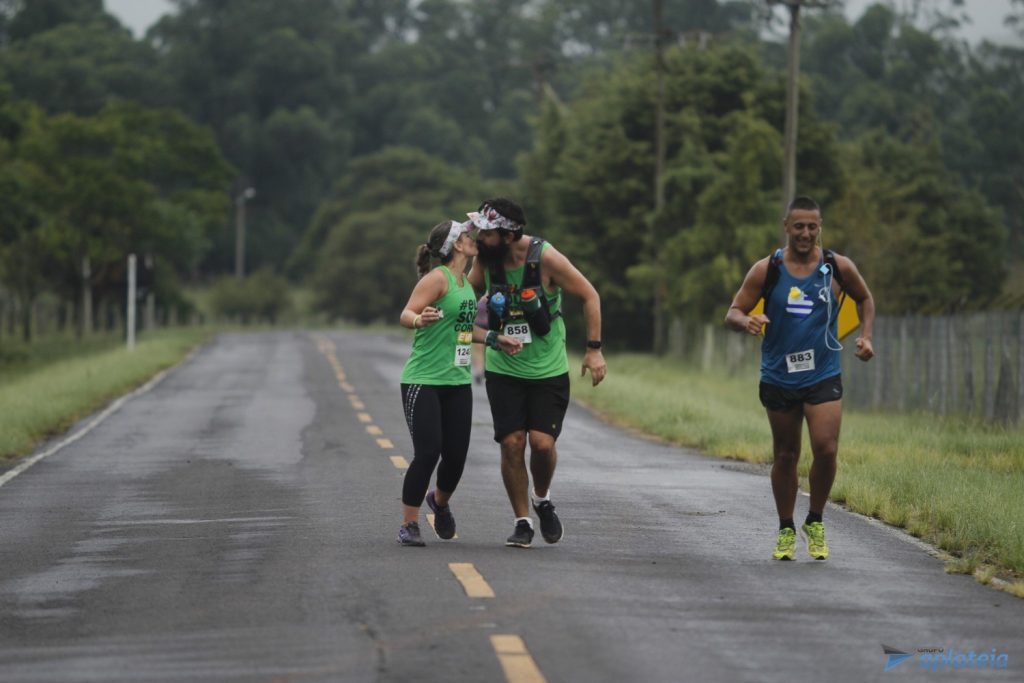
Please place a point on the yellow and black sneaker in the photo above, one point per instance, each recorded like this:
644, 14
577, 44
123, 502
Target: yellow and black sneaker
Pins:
814, 534
785, 546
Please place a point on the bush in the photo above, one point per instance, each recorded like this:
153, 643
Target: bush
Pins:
261, 297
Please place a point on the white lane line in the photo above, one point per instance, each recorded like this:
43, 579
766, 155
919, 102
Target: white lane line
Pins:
95, 422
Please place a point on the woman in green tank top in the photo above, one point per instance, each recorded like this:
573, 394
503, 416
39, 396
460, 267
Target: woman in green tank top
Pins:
436, 382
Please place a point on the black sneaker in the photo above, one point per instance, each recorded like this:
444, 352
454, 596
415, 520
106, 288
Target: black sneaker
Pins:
444, 523
550, 526
409, 534
521, 536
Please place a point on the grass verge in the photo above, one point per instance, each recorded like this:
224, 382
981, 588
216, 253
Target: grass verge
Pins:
952, 482
49, 387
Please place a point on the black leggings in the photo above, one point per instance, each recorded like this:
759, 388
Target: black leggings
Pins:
439, 419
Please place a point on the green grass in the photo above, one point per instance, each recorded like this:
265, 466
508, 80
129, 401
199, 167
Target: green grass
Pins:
48, 386
953, 482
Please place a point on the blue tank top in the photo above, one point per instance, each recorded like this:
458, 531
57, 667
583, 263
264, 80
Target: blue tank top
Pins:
794, 353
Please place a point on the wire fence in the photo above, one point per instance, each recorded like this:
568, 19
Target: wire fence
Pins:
967, 364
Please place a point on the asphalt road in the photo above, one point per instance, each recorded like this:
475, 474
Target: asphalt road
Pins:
237, 523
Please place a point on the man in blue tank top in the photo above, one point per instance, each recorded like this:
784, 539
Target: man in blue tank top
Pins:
800, 371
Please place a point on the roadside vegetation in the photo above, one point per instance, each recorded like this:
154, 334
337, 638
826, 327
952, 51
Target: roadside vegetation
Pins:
953, 482
46, 387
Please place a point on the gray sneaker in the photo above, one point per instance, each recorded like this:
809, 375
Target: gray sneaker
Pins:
521, 536
409, 534
444, 522
550, 525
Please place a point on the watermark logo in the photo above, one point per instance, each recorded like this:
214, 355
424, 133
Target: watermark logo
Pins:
894, 657
937, 659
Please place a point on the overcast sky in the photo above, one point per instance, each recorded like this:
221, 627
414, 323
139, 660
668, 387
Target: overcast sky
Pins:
986, 15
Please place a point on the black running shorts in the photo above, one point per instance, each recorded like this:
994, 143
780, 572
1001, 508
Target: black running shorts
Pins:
781, 399
527, 404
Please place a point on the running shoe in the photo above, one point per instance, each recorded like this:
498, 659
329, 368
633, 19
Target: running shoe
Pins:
550, 525
785, 547
521, 536
444, 523
409, 534
814, 534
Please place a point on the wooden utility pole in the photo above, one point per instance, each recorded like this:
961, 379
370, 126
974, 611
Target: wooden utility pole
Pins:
660, 329
793, 94
240, 200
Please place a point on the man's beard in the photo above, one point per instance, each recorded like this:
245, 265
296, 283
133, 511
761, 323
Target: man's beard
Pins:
492, 256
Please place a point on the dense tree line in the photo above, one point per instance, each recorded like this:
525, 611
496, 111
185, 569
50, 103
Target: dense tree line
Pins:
361, 123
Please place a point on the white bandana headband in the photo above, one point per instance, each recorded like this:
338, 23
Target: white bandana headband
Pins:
489, 219
454, 234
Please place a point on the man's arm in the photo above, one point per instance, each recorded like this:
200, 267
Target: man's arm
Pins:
509, 345
855, 286
565, 275
746, 298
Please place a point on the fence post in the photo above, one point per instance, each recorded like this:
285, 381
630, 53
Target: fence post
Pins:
1005, 398
951, 367
707, 359
942, 364
881, 327
1020, 365
901, 385
988, 397
965, 333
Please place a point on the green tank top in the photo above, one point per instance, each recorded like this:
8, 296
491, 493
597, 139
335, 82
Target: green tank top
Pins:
441, 352
543, 356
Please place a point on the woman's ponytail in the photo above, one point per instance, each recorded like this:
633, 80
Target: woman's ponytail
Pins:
422, 260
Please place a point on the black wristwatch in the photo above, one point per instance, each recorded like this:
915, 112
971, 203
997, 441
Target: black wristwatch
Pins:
593, 344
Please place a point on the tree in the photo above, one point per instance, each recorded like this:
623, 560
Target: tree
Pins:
925, 242
129, 179
591, 173
365, 238
78, 68
273, 80
38, 16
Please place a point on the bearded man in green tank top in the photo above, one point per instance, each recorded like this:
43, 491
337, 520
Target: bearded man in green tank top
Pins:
529, 391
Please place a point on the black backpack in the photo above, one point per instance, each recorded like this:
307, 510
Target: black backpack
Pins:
531, 280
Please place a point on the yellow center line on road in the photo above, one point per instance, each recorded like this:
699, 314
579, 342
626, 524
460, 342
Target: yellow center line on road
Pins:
515, 659
358, 405
347, 387
399, 462
364, 417
385, 443
374, 429
326, 346
471, 581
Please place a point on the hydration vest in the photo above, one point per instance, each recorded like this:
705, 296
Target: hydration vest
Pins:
531, 280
